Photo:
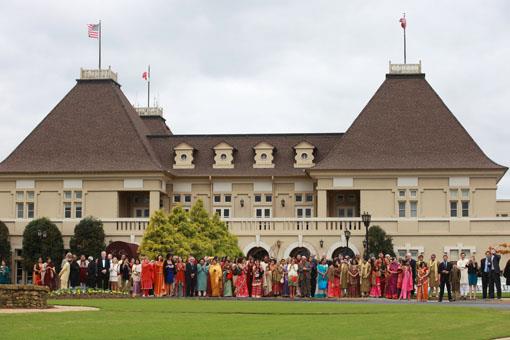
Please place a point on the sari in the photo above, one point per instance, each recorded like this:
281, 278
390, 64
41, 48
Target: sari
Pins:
49, 276
147, 275
37, 274
391, 280
242, 284
375, 291
354, 281
202, 271
256, 286
180, 279
422, 285
215, 277
227, 283
322, 281
159, 278
277, 276
407, 283
334, 282
285, 285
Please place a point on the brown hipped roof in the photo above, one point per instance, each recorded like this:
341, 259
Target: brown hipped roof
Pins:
94, 128
406, 125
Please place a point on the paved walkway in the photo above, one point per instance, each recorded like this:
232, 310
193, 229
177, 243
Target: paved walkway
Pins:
52, 309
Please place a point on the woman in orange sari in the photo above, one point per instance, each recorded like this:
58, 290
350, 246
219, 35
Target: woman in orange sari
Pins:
38, 272
180, 278
159, 277
422, 283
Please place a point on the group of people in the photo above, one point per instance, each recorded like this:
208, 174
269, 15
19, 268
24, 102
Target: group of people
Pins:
383, 276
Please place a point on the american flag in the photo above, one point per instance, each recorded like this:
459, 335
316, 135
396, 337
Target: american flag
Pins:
93, 30
403, 22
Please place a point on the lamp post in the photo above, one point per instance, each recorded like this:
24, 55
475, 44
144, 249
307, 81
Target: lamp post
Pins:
42, 234
347, 234
366, 218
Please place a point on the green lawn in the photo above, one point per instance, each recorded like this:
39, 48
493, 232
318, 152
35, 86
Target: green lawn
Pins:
183, 319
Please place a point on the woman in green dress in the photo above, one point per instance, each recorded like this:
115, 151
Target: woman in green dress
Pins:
202, 270
5, 273
227, 280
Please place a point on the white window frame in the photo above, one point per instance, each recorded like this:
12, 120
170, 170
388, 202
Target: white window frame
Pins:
400, 210
222, 211
413, 212
303, 209
264, 209
70, 206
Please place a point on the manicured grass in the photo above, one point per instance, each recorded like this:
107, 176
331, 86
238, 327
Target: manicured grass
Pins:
194, 319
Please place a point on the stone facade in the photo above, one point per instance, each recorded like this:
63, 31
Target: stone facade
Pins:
23, 296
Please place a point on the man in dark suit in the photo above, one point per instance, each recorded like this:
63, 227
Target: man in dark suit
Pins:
191, 277
495, 275
412, 263
103, 271
444, 278
485, 268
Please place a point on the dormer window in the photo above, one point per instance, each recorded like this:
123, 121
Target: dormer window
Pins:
263, 155
183, 156
223, 156
304, 155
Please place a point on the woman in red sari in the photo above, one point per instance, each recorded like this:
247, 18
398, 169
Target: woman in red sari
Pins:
375, 291
392, 280
241, 282
180, 278
147, 276
38, 272
49, 274
159, 277
333, 275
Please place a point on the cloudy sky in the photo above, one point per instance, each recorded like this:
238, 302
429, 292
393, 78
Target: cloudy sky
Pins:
259, 66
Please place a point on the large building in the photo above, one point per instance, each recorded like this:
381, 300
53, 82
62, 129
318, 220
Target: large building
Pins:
406, 160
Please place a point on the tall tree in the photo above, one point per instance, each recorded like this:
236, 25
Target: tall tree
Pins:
379, 241
188, 233
5, 243
88, 238
42, 238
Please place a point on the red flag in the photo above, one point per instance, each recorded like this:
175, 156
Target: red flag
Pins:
145, 75
403, 22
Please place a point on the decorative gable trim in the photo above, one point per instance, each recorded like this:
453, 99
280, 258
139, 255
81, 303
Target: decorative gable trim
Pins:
223, 156
263, 155
304, 157
183, 156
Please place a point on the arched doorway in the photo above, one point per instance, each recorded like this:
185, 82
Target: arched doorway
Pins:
300, 251
344, 251
258, 253
119, 248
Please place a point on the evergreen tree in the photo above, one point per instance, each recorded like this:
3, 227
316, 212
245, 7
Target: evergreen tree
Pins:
188, 233
88, 237
379, 241
5, 244
42, 238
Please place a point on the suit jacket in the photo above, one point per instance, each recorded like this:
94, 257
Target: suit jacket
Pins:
413, 268
494, 265
191, 269
447, 267
100, 266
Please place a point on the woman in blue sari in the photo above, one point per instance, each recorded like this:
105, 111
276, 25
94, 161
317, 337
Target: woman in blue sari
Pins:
202, 270
322, 279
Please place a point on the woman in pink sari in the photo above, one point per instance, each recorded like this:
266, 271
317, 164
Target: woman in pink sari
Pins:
407, 282
392, 280
375, 291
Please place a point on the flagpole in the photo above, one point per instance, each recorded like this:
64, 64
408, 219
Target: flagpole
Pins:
99, 44
405, 41
149, 86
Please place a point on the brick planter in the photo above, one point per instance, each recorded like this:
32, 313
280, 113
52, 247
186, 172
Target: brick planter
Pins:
23, 296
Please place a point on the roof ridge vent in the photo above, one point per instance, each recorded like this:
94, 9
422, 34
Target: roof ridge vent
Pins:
98, 74
405, 68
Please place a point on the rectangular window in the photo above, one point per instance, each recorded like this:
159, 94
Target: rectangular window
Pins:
308, 212
30, 210
77, 195
341, 212
414, 208
20, 213
453, 208
226, 213
401, 209
68, 195
454, 254
258, 213
454, 194
351, 198
177, 198
350, 212
467, 252
139, 213
465, 194
465, 208
67, 210
267, 213
20, 197
309, 197
402, 193
217, 198
77, 210
187, 198
299, 212
146, 213
340, 198
402, 252
228, 198
299, 198
217, 212
269, 198
413, 193
263, 212
414, 253
30, 195
258, 198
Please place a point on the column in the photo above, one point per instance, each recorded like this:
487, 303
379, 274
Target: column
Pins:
322, 203
153, 201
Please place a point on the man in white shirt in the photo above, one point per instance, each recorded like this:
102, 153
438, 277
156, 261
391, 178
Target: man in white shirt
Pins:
464, 281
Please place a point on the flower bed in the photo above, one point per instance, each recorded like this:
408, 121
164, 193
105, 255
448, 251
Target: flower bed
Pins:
86, 293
